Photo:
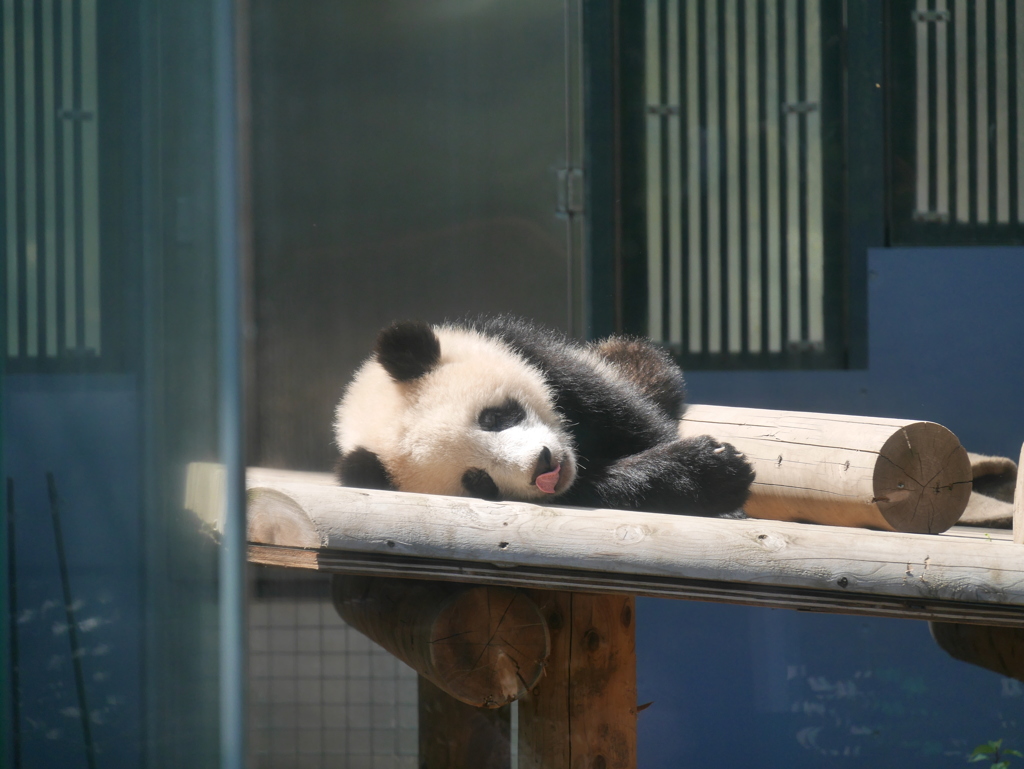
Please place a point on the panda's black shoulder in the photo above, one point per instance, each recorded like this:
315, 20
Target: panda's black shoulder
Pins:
519, 333
544, 348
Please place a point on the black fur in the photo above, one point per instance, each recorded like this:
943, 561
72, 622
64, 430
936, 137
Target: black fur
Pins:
628, 448
408, 349
479, 484
363, 469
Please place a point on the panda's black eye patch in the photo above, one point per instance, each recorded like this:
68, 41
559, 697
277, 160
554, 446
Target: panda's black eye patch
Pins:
497, 418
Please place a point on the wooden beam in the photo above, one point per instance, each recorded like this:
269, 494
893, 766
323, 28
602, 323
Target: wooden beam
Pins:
582, 713
888, 474
1018, 503
999, 649
630, 548
828, 599
483, 645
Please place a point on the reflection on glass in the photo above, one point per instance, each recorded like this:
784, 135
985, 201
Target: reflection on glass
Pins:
111, 385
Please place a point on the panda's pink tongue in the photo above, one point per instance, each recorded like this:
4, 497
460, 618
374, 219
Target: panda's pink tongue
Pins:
546, 482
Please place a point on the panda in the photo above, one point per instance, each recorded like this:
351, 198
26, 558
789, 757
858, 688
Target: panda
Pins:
501, 409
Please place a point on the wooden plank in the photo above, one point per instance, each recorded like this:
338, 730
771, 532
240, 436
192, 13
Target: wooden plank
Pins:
770, 553
888, 474
582, 713
999, 649
1018, 503
829, 599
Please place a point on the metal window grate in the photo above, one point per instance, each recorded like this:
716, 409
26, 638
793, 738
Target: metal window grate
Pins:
51, 179
735, 169
969, 111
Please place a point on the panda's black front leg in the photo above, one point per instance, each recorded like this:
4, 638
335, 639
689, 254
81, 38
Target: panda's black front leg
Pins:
695, 476
364, 470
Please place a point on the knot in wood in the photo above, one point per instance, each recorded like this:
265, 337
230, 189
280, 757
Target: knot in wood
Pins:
631, 533
771, 541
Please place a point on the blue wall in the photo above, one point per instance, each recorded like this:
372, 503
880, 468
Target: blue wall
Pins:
739, 686
946, 345
85, 431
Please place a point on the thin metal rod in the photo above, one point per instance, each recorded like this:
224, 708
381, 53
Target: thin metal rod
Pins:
794, 231
11, 173
49, 180
941, 113
815, 184
90, 179
981, 145
753, 168
655, 245
675, 181
1002, 72
962, 107
31, 261
69, 611
694, 154
923, 204
734, 253
713, 126
773, 181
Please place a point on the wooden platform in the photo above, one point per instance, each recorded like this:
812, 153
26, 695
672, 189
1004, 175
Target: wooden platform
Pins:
303, 520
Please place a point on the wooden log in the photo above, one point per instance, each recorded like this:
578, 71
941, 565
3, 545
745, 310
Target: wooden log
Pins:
582, 713
999, 649
771, 563
1018, 503
887, 474
483, 645
454, 735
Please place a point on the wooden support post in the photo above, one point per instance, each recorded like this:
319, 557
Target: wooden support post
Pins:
483, 645
582, 712
889, 474
454, 735
999, 649
1018, 503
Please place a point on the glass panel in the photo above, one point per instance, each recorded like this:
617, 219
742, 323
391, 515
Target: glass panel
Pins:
117, 347
410, 160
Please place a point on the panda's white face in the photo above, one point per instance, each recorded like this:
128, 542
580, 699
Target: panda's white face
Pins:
479, 422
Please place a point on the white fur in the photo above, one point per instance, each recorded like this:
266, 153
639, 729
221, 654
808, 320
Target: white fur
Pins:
426, 433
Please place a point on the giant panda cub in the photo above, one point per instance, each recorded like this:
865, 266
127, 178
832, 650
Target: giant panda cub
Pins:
500, 409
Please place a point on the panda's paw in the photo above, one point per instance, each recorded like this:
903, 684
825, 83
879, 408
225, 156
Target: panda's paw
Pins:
719, 472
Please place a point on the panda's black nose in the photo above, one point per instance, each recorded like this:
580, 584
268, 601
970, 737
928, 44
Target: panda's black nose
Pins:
544, 462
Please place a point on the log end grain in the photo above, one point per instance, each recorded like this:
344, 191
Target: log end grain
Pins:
274, 518
483, 645
489, 645
922, 479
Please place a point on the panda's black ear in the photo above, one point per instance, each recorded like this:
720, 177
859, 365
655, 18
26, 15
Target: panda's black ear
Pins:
408, 349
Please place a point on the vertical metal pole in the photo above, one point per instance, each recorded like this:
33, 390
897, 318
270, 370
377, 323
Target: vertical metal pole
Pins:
942, 113
85, 717
655, 246
232, 555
